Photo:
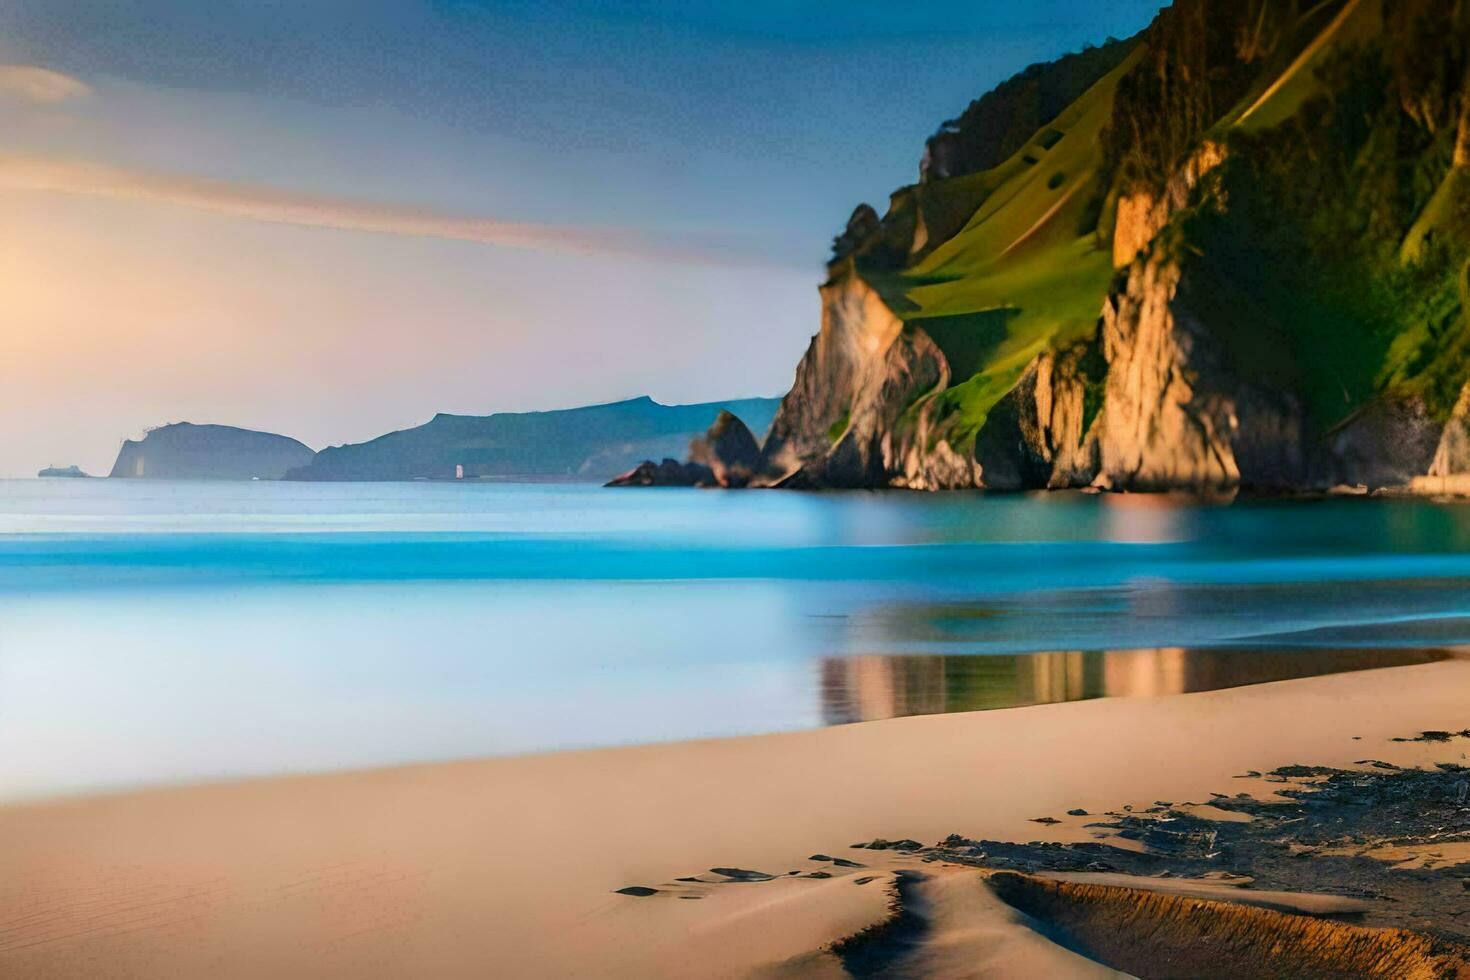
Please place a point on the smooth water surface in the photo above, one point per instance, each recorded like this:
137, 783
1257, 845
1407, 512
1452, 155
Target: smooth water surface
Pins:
155, 632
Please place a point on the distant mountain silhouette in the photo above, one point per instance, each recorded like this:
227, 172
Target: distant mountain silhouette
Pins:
185, 451
596, 442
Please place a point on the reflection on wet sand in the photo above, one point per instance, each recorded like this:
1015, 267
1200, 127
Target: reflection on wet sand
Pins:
867, 688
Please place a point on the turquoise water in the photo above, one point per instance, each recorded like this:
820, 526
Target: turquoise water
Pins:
158, 632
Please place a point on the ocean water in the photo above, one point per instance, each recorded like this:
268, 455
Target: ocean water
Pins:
160, 632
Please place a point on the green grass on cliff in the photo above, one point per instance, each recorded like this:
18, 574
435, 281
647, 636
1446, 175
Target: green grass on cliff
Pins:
1028, 268
1328, 258
1289, 80
1329, 254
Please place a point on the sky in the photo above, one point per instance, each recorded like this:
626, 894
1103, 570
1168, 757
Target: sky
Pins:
332, 219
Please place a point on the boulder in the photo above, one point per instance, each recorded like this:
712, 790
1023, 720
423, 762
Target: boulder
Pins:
727, 455
669, 473
728, 450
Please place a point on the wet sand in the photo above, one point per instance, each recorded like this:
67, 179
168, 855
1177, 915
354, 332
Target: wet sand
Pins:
509, 866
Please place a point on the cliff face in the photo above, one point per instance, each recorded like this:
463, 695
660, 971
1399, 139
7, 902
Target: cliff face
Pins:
846, 357
184, 451
1239, 258
859, 412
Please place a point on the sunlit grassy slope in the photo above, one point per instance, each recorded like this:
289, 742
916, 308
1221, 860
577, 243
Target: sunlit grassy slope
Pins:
1285, 86
1332, 269
1028, 268
1321, 262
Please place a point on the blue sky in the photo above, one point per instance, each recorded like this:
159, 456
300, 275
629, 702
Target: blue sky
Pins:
334, 218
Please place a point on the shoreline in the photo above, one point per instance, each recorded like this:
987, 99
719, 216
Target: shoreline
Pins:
513, 864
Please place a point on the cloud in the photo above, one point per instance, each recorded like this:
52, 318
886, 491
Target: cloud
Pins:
262, 203
40, 86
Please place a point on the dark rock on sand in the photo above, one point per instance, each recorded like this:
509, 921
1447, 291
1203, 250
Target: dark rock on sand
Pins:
1435, 736
740, 874
1298, 772
1318, 840
637, 891
879, 844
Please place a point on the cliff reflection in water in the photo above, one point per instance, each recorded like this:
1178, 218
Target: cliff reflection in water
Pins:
867, 688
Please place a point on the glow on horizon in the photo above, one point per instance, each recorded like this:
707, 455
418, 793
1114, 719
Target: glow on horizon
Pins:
216, 217
275, 206
131, 298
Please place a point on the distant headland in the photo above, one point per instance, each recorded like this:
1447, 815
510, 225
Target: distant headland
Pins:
591, 443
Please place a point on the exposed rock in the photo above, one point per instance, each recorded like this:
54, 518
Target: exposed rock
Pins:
847, 356
669, 473
741, 874
728, 451
1452, 456
1388, 444
860, 413
1143, 214
886, 439
1006, 452
1174, 415
879, 844
862, 225
1042, 434
724, 456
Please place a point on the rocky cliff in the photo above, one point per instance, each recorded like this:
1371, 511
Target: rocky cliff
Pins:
184, 451
1237, 256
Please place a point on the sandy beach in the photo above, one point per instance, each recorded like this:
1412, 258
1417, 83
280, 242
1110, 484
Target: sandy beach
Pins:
509, 867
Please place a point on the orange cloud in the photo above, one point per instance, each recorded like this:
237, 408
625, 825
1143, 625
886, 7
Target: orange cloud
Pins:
262, 203
40, 86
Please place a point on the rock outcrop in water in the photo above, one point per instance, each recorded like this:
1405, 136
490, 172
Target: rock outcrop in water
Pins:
669, 473
727, 455
1236, 257
185, 451
728, 450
